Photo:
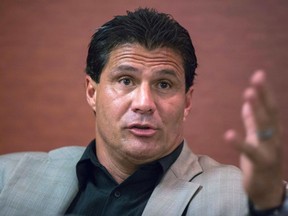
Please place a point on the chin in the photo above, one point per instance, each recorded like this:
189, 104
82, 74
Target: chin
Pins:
142, 155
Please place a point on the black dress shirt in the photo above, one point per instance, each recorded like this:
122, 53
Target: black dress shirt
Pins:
100, 194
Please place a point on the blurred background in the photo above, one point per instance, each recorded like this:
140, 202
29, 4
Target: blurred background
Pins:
43, 46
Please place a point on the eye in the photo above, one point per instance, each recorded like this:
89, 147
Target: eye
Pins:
164, 85
125, 81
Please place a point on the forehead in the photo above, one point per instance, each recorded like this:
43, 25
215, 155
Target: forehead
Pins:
138, 55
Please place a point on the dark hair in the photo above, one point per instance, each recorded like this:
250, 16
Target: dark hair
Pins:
146, 27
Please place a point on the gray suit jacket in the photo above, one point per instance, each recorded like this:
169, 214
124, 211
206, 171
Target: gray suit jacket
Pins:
46, 183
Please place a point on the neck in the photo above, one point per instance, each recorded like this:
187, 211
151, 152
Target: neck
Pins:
118, 169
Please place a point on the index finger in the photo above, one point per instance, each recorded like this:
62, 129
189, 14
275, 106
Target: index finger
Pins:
264, 93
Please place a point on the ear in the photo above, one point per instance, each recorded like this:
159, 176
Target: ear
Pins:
188, 102
91, 92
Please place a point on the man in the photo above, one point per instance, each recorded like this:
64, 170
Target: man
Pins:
139, 84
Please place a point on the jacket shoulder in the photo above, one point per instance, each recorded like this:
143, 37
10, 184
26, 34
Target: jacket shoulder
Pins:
10, 162
67, 152
212, 167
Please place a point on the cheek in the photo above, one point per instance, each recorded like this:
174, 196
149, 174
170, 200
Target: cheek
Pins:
172, 113
110, 104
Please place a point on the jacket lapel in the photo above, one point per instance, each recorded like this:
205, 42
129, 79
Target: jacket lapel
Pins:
175, 191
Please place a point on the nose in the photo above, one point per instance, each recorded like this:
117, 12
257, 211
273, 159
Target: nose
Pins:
143, 100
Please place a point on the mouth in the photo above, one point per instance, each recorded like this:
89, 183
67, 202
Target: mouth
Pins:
142, 130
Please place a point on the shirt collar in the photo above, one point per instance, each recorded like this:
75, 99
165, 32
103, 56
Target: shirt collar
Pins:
89, 160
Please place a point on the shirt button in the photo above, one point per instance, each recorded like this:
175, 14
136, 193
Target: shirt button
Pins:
117, 194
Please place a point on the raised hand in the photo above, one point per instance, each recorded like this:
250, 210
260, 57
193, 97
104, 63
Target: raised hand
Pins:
261, 148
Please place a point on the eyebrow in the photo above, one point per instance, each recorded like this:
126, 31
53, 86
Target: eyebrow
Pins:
168, 72
128, 68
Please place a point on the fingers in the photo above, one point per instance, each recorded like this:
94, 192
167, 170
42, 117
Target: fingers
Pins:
259, 82
262, 102
250, 124
261, 158
259, 116
248, 149
261, 155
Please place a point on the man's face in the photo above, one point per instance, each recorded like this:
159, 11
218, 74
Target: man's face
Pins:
140, 104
